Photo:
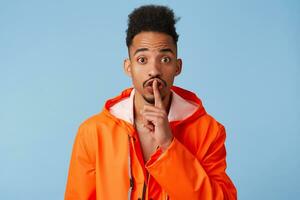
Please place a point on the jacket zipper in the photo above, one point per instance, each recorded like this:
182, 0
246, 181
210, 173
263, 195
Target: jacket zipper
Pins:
144, 191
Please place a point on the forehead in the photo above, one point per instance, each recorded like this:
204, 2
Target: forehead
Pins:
154, 41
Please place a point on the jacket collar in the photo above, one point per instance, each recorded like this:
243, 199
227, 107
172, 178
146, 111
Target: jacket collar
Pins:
184, 104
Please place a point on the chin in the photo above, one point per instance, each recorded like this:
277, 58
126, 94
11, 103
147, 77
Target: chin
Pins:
149, 100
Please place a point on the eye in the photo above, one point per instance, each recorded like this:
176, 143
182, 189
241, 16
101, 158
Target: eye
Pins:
142, 60
165, 60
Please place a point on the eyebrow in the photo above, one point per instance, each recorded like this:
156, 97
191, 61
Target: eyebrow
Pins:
166, 50
141, 49
146, 49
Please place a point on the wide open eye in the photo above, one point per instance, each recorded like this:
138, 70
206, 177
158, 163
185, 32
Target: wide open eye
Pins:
142, 60
165, 60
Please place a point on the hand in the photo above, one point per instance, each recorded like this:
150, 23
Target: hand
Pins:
156, 120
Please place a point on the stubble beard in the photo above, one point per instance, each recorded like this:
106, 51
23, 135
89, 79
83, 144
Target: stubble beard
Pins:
151, 100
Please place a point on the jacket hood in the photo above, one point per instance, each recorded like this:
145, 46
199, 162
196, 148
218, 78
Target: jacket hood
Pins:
185, 105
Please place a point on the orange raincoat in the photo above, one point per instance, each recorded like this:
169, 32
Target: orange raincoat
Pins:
107, 161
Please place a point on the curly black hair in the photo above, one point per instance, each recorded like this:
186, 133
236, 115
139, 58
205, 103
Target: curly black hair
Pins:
154, 18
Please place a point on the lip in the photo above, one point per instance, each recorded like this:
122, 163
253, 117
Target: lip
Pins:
150, 83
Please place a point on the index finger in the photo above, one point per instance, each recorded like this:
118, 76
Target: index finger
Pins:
157, 97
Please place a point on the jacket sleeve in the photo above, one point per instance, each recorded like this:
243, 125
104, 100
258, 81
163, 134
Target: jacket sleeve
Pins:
183, 176
81, 182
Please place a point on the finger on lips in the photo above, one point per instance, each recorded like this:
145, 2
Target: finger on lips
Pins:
157, 97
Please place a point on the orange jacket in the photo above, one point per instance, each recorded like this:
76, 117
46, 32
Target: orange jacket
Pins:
107, 161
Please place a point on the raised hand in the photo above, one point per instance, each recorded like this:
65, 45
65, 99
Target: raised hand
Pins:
156, 120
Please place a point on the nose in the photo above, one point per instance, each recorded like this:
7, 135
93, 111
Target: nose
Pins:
155, 70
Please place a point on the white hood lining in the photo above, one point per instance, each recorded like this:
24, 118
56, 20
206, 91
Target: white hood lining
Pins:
180, 108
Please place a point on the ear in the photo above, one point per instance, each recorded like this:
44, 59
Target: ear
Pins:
178, 66
127, 67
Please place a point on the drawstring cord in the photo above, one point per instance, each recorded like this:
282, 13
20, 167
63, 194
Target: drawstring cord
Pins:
130, 171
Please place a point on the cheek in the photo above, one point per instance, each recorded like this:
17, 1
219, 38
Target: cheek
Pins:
170, 75
137, 78
139, 72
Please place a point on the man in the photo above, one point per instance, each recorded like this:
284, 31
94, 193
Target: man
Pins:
155, 140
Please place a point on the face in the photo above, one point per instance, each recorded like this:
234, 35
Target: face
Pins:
152, 55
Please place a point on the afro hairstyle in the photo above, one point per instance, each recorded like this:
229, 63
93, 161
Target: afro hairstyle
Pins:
154, 18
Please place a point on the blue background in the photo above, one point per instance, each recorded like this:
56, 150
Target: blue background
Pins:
60, 60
